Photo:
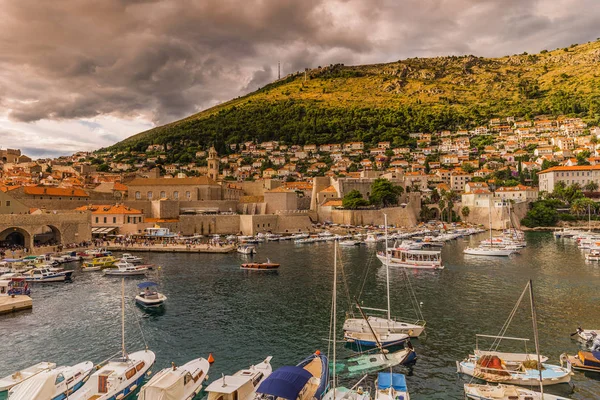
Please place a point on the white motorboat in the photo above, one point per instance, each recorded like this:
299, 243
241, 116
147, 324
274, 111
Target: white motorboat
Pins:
593, 255
121, 377
150, 297
417, 259
53, 384
177, 383
489, 251
586, 336
505, 392
45, 275
349, 243
241, 385
130, 258
247, 249
125, 269
391, 386
23, 375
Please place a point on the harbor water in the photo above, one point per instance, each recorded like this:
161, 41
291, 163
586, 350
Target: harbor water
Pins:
241, 316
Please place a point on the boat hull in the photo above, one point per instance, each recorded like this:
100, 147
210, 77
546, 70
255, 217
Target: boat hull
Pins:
551, 375
383, 325
503, 392
417, 265
150, 303
260, 266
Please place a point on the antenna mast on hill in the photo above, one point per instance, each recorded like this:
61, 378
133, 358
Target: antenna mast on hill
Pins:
278, 70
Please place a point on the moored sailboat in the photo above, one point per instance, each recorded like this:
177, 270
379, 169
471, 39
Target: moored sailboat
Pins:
517, 369
387, 325
120, 377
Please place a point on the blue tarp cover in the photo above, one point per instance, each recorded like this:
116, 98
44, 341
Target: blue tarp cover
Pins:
387, 379
286, 382
144, 285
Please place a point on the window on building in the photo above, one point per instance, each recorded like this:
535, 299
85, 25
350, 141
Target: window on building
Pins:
7, 203
114, 220
149, 195
96, 219
104, 219
128, 220
138, 195
163, 195
175, 195
188, 195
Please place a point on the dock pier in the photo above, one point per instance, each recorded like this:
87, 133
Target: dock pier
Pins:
9, 304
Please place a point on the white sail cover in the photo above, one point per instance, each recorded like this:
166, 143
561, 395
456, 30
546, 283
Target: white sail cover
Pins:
40, 387
167, 386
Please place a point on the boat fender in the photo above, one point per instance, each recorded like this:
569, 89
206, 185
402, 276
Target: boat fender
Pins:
133, 387
211, 359
318, 352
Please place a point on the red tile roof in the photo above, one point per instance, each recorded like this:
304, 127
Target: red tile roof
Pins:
53, 191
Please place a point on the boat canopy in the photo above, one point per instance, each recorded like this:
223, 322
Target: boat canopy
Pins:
286, 382
385, 380
167, 386
145, 285
38, 387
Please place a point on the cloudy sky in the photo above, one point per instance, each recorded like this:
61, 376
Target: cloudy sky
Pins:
82, 74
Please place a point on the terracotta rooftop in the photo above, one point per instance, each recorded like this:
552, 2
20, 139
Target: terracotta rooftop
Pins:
202, 180
329, 189
572, 168
53, 191
332, 203
109, 209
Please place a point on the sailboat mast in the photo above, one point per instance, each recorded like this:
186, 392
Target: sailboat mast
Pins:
589, 219
535, 336
490, 221
334, 314
387, 267
123, 318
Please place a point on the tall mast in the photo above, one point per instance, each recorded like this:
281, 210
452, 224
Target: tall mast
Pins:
535, 336
387, 267
589, 219
123, 318
490, 221
334, 312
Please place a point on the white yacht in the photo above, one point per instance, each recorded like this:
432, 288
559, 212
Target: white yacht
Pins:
406, 258
23, 375
242, 385
130, 258
53, 384
177, 383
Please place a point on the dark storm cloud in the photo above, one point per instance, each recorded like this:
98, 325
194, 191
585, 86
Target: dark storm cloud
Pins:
164, 59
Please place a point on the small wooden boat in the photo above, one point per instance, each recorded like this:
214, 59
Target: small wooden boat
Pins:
23, 375
261, 266
583, 361
181, 383
53, 384
150, 296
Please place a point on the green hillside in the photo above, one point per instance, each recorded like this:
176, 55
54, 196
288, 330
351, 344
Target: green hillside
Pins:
387, 101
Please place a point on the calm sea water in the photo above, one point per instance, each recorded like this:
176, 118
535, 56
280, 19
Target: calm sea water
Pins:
243, 316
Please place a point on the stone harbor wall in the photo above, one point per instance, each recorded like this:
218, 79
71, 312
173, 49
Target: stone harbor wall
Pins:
500, 217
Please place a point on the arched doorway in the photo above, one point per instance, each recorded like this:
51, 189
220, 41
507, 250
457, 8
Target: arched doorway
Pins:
47, 235
14, 237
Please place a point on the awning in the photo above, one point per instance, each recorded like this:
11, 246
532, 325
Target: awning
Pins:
103, 231
286, 382
385, 380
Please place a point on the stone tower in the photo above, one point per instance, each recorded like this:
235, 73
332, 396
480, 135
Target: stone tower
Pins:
213, 164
